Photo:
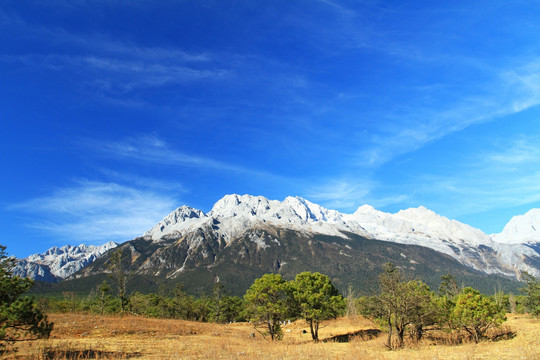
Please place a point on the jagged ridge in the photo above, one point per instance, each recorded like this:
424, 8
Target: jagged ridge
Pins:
59, 263
506, 253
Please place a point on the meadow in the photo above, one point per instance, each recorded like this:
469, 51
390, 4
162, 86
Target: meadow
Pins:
84, 336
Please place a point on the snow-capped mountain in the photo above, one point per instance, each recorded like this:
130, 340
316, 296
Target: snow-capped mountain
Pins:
521, 229
506, 253
59, 263
233, 214
25, 268
249, 235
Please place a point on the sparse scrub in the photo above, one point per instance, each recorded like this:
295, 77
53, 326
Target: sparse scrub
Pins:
136, 337
177, 325
408, 306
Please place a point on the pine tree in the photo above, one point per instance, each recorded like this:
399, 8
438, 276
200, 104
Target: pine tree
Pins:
120, 276
317, 299
476, 313
20, 317
268, 302
532, 293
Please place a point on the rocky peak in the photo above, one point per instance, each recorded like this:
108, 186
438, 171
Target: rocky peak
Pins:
521, 229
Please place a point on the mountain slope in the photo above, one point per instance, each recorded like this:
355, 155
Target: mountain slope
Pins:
199, 259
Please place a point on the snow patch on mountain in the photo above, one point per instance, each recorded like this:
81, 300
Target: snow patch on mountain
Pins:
514, 250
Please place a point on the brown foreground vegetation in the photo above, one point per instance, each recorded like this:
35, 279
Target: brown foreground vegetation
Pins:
81, 336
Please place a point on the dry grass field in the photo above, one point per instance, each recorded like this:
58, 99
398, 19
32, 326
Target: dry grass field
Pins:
80, 336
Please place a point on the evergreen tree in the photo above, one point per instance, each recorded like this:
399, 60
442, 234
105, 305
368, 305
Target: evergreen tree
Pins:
20, 317
103, 289
120, 276
182, 305
317, 299
532, 293
476, 313
231, 309
268, 302
449, 287
219, 293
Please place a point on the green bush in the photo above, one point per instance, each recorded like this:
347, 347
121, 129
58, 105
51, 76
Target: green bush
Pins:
476, 313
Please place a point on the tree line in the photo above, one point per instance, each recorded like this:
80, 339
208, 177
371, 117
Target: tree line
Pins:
267, 303
401, 305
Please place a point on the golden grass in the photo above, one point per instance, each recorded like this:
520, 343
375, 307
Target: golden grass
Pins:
79, 336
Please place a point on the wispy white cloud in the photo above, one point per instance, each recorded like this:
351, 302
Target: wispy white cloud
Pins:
522, 151
128, 74
106, 64
119, 76
172, 187
342, 195
522, 86
152, 150
509, 93
338, 7
503, 177
472, 196
348, 195
94, 212
96, 42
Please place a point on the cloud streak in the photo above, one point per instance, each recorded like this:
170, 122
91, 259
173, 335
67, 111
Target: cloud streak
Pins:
94, 212
341, 194
119, 76
151, 150
110, 66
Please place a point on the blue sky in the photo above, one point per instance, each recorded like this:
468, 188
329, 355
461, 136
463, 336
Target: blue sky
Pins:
114, 113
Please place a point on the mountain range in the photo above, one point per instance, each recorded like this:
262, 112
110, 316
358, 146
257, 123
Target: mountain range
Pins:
243, 237
57, 263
